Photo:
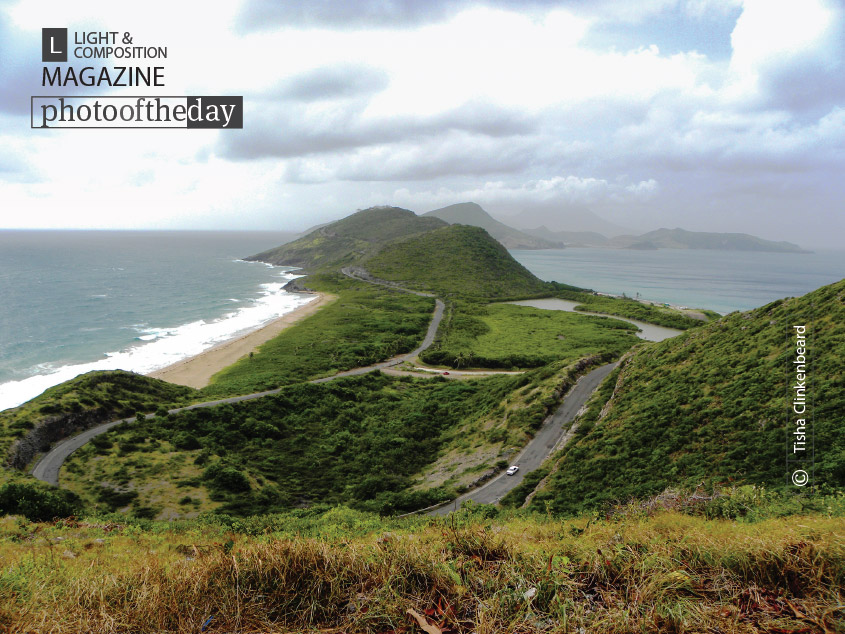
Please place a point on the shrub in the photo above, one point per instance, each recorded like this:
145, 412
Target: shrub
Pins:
226, 478
37, 502
185, 440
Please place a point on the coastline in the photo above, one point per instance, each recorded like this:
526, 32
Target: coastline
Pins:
197, 371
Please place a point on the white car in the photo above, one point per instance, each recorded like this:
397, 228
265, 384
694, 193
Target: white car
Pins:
512, 470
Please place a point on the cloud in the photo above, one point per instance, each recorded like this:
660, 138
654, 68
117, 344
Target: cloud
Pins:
297, 130
20, 69
655, 112
513, 194
406, 14
450, 154
342, 14
789, 55
643, 189
331, 82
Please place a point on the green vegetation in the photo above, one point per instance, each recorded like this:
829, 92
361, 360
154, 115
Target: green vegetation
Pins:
710, 406
349, 240
92, 397
457, 260
479, 446
364, 325
359, 440
37, 501
509, 336
633, 309
480, 570
370, 441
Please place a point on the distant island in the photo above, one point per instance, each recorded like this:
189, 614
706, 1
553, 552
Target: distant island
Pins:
544, 238
472, 214
682, 239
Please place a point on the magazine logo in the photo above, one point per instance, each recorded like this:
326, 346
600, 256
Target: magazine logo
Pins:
112, 111
53, 45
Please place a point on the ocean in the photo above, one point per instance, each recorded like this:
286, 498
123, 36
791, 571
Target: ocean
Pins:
723, 281
75, 301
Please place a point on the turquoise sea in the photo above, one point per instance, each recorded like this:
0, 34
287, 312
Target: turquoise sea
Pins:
723, 281
74, 301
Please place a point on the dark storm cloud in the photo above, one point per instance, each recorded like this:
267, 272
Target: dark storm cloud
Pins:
292, 130
332, 82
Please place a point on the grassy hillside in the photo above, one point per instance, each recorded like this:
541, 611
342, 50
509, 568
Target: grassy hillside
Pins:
455, 260
472, 214
710, 406
344, 571
365, 324
360, 441
348, 240
89, 398
508, 336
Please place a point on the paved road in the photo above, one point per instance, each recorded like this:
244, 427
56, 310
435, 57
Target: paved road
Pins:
47, 469
536, 451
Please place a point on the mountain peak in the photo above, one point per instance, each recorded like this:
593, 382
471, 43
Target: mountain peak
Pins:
470, 213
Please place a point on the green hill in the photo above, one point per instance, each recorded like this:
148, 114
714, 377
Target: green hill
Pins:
455, 260
710, 406
348, 240
682, 239
472, 214
87, 400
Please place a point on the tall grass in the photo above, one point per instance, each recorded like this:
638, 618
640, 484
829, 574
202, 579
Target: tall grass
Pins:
463, 573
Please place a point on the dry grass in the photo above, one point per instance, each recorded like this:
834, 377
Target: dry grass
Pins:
666, 573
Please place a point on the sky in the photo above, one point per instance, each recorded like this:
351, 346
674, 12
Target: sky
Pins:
710, 115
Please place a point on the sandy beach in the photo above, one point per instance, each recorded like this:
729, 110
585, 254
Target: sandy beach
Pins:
197, 371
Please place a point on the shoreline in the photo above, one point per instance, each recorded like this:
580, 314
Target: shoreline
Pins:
196, 371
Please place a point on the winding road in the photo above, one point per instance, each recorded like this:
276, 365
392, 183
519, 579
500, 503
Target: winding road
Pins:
534, 453
47, 469
539, 448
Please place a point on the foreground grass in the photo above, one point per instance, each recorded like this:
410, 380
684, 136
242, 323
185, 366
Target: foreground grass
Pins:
509, 336
472, 572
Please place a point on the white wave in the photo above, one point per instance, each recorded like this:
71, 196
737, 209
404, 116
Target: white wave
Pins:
163, 346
